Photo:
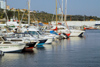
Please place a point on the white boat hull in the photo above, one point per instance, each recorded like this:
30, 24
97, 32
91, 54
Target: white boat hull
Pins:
76, 33
12, 48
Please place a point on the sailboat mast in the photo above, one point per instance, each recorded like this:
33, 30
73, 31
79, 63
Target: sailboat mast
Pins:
28, 12
56, 13
62, 10
65, 10
65, 13
6, 12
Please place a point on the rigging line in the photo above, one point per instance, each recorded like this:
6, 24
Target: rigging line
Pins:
22, 18
34, 17
35, 20
23, 13
55, 10
60, 6
53, 14
62, 12
65, 14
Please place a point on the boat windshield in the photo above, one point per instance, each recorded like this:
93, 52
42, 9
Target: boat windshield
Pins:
33, 32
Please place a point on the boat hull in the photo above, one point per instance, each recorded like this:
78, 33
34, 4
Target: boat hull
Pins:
42, 42
76, 33
11, 48
30, 46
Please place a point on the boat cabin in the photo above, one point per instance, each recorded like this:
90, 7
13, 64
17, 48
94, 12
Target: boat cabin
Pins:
3, 40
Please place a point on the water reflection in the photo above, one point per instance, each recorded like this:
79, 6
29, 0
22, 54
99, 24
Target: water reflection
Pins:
29, 52
72, 52
13, 59
48, 47
66, 44
75, 40
40, 47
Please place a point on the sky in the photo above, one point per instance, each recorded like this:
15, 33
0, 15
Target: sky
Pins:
74, 7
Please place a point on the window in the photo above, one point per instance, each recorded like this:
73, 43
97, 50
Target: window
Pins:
7, 43
16, 40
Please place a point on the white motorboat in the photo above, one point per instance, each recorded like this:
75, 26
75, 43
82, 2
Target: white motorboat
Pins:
23, 38
36, 33
48, 37
8, 46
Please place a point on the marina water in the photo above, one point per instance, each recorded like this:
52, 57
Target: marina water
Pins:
72, 52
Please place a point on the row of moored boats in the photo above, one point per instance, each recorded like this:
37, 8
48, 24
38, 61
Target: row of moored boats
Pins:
27, 38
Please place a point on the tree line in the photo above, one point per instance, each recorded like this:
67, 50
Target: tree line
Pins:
44, 16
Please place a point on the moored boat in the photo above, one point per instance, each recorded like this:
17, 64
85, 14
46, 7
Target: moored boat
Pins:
42, 42
62, 30
8, 46
24, 38
39, 36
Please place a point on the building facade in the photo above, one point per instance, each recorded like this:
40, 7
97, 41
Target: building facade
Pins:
2, 4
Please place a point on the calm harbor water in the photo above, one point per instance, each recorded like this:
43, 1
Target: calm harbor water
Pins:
72, 52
